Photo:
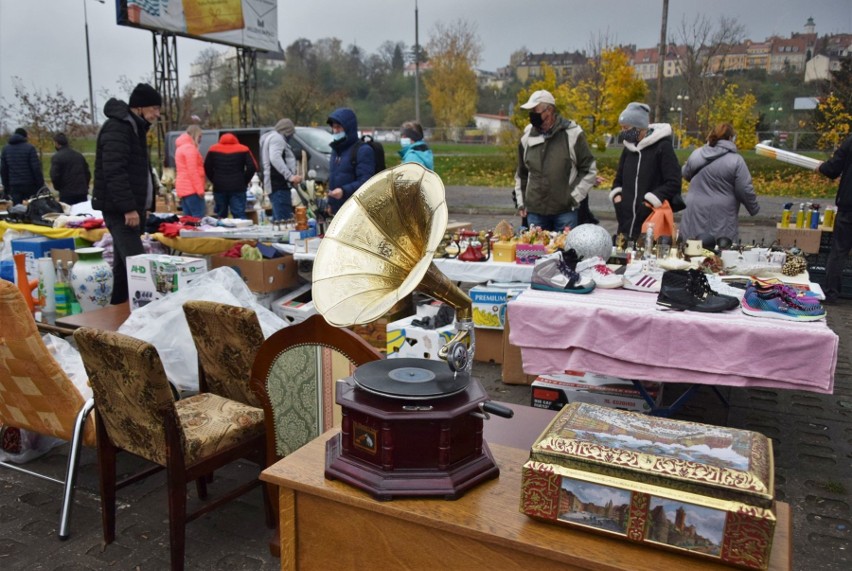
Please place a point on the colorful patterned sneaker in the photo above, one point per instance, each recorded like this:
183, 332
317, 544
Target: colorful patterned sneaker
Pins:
804, 296
557, 273
639, 277
596, 269
778, 303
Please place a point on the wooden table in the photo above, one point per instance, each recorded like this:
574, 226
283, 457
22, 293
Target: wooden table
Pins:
107, 318
329, 525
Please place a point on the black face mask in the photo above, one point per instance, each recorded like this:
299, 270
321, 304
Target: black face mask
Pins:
630, 135
536, 120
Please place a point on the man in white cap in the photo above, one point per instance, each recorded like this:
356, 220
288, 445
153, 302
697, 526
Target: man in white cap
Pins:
648, 171
556, 168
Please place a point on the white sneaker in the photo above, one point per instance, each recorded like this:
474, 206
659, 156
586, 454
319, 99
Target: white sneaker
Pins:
638, 276
595, 268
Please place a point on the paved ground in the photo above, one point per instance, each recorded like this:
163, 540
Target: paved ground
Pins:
812, 437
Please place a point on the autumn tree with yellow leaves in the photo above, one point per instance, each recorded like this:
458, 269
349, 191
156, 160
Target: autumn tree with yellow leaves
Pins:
833, 121
601, 92
732, 107
454, 51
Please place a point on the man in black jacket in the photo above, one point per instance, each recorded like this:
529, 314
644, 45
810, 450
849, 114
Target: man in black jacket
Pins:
839, 165
20, 168
124, 187
69, 172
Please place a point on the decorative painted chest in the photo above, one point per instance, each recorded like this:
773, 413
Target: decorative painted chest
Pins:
702, 489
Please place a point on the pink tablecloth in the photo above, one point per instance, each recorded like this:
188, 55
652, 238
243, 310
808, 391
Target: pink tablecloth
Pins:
622, 333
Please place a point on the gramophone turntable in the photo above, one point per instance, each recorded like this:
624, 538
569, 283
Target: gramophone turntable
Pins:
410, 427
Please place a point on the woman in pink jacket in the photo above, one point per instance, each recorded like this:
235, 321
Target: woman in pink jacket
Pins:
189, 176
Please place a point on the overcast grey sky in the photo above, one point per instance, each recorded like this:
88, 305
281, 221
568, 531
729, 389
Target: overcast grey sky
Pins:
43, 42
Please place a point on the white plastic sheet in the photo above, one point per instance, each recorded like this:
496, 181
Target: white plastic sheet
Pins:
162, 322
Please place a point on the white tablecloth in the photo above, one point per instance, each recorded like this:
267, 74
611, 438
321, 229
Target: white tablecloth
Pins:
482, 272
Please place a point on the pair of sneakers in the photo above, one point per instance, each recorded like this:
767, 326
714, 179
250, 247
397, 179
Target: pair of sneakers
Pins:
558, 272
780, 301
689, 290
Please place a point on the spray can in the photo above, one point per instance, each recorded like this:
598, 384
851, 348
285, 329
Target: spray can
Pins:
800, 216
814, 216
785, 215
828, 221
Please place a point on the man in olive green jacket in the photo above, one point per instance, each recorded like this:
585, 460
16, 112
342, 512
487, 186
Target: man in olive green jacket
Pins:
556, 168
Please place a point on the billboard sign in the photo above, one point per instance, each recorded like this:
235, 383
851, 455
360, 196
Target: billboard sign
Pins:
242, 23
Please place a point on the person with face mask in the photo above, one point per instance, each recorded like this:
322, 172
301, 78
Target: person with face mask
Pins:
556, 168
648, 171
414, 148
347, 173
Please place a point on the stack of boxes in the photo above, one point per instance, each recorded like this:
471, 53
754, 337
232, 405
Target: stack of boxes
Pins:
555, 391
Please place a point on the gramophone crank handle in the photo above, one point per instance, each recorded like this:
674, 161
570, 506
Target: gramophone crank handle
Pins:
498, 409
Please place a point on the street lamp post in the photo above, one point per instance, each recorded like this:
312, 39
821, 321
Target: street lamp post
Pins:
416, 64
776, 109
89, 62
680, 99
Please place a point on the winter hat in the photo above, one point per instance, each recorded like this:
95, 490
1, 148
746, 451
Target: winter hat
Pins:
144, 96
540, 96
21, 131
635, 115
285, 127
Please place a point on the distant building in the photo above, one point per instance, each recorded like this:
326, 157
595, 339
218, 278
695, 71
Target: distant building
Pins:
491, 124
566, 64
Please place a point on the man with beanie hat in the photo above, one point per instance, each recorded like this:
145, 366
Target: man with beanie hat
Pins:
280, 168
69, 172
20, 168
124, 183
414, 148
648, 170
556, 168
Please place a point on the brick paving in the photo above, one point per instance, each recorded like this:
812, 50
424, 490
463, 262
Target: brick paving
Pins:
811, 434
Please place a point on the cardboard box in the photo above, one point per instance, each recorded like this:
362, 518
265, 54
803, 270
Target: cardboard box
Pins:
153, 276
553, 392
489, 345
701, 490
489, 305
295, 306
806, 239
39, 247
266, 298
407, 340
513, 365
262, 275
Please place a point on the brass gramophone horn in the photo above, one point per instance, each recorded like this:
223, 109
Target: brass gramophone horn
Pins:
379, 248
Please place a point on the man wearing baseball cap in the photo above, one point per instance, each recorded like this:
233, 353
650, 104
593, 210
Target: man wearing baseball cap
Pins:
124, 184
556, 168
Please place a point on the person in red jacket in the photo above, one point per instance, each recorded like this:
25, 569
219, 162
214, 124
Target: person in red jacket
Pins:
189, 173
229, 165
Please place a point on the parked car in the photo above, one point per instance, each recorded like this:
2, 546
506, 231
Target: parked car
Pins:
315, 141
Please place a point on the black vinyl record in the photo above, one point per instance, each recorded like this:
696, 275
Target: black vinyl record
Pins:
410, 378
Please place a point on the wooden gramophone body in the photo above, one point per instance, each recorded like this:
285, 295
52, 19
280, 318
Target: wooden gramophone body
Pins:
395, 448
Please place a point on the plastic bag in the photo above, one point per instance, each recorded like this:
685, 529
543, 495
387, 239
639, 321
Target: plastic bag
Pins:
71, 362
163, 324
663, 220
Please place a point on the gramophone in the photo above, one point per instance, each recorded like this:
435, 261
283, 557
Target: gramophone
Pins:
410, 427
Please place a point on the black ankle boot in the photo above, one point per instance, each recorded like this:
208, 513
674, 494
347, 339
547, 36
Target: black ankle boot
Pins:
701, 288
679, 291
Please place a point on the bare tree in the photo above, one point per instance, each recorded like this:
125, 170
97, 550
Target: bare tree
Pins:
206, 65
700, 44
44, 113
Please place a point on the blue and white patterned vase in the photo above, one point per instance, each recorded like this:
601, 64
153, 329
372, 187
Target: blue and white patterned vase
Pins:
91, 279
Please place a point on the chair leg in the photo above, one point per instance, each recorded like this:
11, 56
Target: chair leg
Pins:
71, 469
177, 516
106, 469
201, 487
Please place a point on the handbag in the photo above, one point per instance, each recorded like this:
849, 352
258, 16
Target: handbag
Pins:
663, 219
40, 204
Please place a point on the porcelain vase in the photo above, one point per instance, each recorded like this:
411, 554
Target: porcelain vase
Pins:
91, 279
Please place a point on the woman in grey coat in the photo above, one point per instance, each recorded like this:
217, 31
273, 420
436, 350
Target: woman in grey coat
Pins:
719, 182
